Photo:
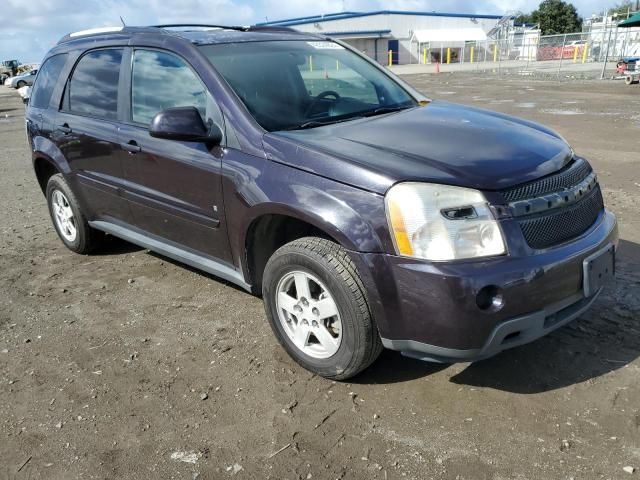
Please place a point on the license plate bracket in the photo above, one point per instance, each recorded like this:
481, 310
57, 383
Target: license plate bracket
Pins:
598, 270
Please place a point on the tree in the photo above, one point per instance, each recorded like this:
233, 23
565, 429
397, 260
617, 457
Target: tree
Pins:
523, 18
622, 9
554, 17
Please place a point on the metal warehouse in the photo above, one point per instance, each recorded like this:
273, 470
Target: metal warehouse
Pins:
401, 37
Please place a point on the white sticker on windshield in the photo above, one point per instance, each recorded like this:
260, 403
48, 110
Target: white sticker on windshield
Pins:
326, 45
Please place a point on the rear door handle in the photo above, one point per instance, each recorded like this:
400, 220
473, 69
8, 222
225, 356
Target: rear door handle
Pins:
131, 146
64, 128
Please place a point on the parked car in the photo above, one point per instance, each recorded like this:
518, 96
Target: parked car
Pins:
363, 213
19, 81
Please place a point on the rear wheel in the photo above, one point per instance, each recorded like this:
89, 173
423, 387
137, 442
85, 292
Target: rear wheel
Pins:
630, 79
317, 307
70, 224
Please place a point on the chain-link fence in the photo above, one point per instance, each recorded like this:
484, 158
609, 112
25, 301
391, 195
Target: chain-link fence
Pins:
590, 54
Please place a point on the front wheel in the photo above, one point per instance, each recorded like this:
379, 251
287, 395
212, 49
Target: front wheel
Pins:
317, 307
21, 84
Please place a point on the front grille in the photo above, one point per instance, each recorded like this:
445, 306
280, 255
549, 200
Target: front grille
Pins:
570, 175
559, 225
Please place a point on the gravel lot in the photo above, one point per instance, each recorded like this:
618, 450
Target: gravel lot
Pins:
127, 365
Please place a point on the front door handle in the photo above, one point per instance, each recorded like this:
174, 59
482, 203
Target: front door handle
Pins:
131, 147
64, 128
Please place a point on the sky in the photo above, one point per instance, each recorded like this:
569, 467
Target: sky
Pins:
29, 28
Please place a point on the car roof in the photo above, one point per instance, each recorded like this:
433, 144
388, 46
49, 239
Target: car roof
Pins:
196, 34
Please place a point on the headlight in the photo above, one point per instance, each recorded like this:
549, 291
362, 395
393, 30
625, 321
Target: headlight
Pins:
440, 222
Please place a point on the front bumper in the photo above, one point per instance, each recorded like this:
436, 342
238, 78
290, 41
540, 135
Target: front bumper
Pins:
428, 310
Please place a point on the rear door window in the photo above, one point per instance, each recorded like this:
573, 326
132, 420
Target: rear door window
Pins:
93, 88
46, 81
161, 80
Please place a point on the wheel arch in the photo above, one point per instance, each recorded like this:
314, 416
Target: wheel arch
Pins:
271, 228
44, 169
47, 160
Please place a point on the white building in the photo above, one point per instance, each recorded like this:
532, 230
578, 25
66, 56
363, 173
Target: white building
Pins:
412, 37
601, 30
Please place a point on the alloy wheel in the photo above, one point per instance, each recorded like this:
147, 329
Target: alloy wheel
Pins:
63, 216
309, 314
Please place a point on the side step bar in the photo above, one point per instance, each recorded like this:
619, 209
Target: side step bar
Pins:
176, 253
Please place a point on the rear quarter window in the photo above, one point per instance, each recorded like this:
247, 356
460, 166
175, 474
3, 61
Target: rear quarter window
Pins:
93, 88
47, 80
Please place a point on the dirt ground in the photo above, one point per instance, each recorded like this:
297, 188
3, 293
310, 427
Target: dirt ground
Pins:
127, 365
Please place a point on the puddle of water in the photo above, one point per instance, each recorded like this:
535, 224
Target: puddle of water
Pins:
555, 111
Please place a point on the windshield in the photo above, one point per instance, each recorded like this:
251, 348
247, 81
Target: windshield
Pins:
288, 85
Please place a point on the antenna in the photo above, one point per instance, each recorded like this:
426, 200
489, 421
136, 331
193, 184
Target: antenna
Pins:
122, 20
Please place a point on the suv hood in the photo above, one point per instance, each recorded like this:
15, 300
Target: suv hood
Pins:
441, 142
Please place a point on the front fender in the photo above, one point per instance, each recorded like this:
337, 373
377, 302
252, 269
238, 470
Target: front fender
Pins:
353, 217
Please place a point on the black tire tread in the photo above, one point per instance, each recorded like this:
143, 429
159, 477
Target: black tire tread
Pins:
89, 238
339, 260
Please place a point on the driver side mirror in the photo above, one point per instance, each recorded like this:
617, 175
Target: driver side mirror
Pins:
184, 124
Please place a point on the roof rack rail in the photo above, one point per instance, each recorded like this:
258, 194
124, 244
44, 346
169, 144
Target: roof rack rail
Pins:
201, 25
268, 28
149, 29
248, 28
100, 31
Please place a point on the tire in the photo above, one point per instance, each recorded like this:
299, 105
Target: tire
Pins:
84, 238
21, 84
331, 275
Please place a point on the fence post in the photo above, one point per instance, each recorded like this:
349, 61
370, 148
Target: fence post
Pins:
390, 57
448, 55
424, 56
495, 52
472, 54
606, 55
575, 54
564, 44
585, 53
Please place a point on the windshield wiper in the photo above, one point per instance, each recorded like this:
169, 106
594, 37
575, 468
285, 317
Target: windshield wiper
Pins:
369, 113
317, 123
383, 110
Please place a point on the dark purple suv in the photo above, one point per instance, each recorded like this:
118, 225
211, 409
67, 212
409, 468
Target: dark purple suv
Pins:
291, 165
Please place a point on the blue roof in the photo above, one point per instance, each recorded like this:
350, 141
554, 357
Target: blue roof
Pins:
346, 15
